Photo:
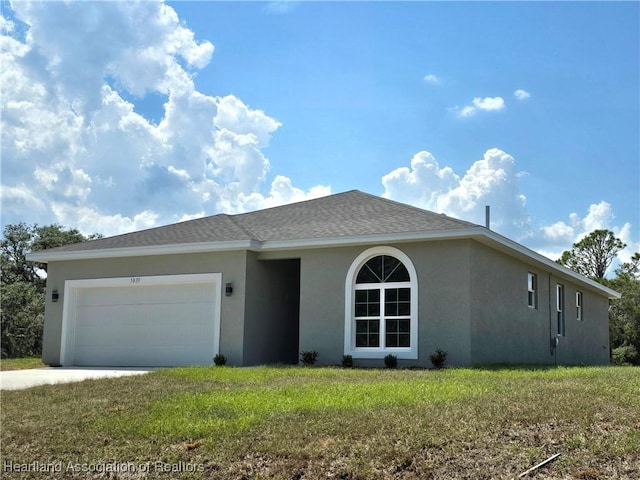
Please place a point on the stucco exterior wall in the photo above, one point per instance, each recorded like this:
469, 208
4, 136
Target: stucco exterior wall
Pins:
443, 305
504, 329
232, 265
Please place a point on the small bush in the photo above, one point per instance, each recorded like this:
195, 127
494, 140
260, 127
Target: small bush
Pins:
391, 361
347, 361
308, 357
220, 360
625, 355
438, 358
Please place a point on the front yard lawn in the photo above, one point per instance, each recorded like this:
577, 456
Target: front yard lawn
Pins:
21, 363
316, 423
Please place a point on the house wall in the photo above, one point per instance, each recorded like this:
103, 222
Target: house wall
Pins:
504, 329
232, 265
443, 304
271, 312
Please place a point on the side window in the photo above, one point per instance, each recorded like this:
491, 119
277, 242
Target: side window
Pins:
532, 287
579, 312
560, 308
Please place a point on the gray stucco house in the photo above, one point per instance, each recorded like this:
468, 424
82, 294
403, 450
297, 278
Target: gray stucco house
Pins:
347, 274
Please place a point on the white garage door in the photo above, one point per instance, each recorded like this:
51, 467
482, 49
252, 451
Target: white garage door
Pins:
142, 321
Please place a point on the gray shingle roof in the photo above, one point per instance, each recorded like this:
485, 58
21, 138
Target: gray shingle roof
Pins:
347, 214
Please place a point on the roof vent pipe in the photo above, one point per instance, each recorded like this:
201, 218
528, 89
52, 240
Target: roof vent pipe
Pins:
487, 216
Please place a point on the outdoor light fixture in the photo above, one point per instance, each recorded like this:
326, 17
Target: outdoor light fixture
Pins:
54, 296
228, 289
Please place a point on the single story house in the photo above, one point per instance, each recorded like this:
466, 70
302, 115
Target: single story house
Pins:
347, 274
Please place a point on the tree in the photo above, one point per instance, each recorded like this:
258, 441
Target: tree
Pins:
592, 255
624, 313
23, 284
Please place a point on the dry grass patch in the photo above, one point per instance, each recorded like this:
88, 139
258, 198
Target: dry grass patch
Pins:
313, 423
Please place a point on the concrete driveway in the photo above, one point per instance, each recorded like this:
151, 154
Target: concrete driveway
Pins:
21, 379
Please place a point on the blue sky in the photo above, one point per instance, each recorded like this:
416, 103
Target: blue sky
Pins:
122, 116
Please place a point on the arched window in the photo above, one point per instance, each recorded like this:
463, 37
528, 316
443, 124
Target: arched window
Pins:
381, 308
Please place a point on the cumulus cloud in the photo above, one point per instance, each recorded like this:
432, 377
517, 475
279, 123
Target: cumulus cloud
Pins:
521, 94
486, 104
431, 78
557, 237
75, 150
492, 180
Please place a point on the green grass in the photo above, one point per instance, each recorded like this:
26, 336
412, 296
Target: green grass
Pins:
288, 422
21, 363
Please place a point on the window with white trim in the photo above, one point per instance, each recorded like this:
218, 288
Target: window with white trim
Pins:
532, 287
381, 305
560, 308
579, 306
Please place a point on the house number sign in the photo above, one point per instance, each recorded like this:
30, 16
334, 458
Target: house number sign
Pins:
134, 280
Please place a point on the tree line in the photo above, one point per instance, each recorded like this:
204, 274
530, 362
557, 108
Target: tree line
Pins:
23, 286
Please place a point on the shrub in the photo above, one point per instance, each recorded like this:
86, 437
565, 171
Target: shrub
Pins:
308, 357
347, 361
220, 360
625, 355
391, 361
438, 358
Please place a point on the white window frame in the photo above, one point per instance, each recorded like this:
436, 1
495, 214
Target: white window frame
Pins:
411, 352
579, 306
560, 304
532, 290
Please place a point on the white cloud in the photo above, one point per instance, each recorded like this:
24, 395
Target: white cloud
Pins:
72, 141
486, 104
521, 94
492, 180
431, 78
561, 235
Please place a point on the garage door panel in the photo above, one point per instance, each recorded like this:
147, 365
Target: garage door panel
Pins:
134, 295
133, 325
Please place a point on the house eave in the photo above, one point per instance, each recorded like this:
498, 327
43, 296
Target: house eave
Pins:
203, 247
478, 233
494, 239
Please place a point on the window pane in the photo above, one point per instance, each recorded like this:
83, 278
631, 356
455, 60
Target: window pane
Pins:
361, 296
374, 326
400, 274
367, 303
365, 275
404, 326
371, 272
361, 326
367, 333
397, 301
397, 333
391, 309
